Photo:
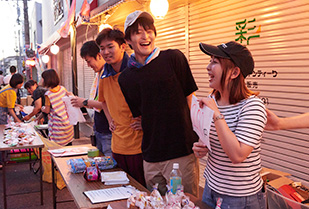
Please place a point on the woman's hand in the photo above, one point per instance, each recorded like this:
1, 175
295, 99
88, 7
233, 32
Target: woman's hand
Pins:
210, 103
26, 118
273, 121
21, 108
200, 150
45, 109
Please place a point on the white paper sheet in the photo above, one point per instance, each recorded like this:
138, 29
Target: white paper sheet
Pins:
69, 151
201, 120
111, 194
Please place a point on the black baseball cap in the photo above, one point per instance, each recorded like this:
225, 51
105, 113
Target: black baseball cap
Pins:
234, 51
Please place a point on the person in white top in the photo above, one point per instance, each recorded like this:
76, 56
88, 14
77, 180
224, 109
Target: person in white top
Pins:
233, 165
8, 77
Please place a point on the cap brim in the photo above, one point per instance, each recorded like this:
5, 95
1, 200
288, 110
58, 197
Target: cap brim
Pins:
213, 51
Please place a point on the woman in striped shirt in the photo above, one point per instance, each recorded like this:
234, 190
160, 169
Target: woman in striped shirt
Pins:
59, 128
233, 166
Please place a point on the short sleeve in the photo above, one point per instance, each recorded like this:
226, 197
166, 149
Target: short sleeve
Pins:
11, 98
252, 119
47, 101
183, 73
38, 93
130, 92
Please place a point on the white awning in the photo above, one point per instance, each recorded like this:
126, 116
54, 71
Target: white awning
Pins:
44, 47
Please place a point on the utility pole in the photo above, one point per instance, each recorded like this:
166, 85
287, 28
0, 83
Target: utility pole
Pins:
74, 70
19, 66
26, 23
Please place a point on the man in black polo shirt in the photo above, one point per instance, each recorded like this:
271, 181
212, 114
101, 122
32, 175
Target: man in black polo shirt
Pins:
158, 85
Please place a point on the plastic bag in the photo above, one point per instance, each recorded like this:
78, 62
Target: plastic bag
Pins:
78, 165
74, 113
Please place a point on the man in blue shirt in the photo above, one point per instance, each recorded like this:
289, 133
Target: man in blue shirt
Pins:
90, 52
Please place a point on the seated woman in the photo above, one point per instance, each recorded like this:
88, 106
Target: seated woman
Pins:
38, 96
8, 98
233, 166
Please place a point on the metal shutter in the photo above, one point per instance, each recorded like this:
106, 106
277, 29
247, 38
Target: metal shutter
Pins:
67, 69
171, 31
85, 73
282, 48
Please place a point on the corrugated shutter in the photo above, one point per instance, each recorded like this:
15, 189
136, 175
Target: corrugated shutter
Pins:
85, 73
281, 57
281, 66
171, 31
81, 84
67, 69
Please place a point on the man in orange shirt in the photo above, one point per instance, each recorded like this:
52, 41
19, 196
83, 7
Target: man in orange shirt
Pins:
126, 131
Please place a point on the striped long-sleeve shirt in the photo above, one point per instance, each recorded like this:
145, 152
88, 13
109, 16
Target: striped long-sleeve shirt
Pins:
246, 120
60, 130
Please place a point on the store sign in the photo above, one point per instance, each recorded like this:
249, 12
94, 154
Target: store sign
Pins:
246, 30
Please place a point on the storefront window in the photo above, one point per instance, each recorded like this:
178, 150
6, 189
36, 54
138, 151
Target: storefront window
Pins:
58, 10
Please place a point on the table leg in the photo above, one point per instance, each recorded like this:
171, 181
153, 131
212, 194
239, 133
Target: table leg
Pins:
41, 174
29, 152
54, 184
4, 178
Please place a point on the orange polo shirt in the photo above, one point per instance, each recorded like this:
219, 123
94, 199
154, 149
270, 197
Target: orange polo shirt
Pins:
8, 97
125, 140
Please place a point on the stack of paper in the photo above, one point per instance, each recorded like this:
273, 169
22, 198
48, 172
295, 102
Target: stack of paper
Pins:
117, 177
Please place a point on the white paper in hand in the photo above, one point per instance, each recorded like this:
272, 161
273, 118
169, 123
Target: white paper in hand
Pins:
74, 113
201, 120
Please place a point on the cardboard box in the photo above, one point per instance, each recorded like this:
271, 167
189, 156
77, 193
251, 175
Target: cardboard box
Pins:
277, 179
29, 100
23, 101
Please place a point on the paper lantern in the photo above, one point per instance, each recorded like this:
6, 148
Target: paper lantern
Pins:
103, 26
159, 8
45, 58
54, 49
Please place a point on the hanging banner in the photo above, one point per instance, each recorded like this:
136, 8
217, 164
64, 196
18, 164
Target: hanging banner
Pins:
64, 30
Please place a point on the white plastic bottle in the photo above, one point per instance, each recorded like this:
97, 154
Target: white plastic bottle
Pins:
175, 178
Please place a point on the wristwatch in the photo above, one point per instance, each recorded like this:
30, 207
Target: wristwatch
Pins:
219, 117
85, 102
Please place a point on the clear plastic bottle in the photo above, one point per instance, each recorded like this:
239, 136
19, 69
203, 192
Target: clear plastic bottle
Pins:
175, 178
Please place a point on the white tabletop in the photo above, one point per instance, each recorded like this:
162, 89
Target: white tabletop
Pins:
36, 143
